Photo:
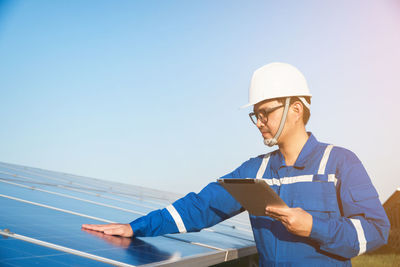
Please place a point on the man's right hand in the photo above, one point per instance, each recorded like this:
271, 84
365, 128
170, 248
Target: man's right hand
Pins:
120, 229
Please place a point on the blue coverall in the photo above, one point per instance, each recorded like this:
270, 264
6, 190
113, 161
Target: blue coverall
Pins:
327, 181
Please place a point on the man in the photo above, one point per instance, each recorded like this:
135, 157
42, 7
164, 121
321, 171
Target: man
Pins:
334, 211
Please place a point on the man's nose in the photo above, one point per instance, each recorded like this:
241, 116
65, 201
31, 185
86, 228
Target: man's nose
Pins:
259, 123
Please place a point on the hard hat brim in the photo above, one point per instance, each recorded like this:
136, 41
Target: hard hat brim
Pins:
252, 104
246, 106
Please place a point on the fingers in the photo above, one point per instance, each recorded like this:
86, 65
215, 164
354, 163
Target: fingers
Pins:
296, 220
277, 211
114, 231
95, 233
111, 229
278, 218
99, 227
88, 226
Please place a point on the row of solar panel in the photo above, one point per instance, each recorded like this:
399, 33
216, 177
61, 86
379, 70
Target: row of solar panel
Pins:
50, 207
66, 188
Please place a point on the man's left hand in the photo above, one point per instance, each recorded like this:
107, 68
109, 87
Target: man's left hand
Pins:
296, 220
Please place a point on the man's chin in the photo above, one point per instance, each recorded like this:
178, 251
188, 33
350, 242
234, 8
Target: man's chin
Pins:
266, 135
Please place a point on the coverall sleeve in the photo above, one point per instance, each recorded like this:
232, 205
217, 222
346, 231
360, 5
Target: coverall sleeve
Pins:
191, 213
363, 224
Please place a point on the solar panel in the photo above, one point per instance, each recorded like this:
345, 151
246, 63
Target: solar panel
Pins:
42, 212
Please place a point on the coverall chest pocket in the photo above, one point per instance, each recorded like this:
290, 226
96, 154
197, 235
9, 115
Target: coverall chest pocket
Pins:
321, 203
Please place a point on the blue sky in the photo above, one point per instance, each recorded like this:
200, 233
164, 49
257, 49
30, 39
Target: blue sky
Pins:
148, 92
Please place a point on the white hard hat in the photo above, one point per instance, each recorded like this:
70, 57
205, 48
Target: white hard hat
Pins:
276, 80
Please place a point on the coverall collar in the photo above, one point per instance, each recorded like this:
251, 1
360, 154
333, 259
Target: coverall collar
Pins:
301, 160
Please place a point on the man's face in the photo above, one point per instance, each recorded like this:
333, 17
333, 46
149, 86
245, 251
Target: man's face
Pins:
271, 115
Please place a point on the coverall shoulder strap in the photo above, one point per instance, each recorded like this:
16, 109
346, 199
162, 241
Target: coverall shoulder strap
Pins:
324, 159
263, 166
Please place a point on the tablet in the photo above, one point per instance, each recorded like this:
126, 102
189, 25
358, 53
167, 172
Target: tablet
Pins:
253, 194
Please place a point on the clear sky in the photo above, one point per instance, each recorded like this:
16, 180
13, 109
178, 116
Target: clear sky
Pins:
148, 92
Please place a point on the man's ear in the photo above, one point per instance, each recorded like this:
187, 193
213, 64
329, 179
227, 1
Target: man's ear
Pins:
297, 109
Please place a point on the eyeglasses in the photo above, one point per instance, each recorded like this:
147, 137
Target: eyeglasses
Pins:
262, 115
